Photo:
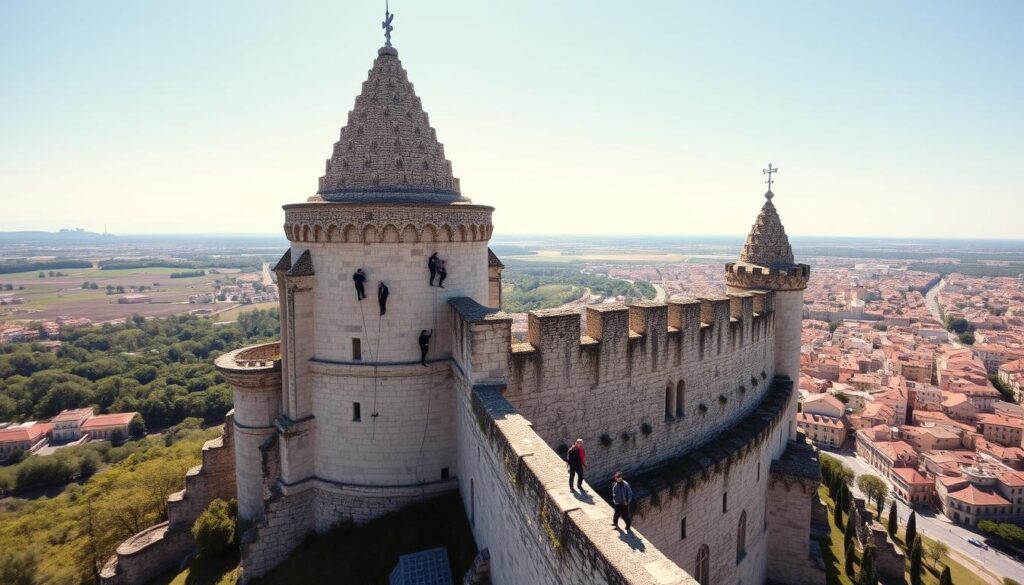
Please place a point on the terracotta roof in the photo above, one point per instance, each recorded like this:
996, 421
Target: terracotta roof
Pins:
20, 433
911, 476
108, 420
818, 419
72, 415
977, 497
1000, 420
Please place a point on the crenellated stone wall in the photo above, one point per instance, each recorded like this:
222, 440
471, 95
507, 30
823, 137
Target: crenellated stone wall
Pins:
646, 382
162, 547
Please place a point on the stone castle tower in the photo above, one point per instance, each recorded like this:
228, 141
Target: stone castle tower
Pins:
766, 263
340, 421
356, 424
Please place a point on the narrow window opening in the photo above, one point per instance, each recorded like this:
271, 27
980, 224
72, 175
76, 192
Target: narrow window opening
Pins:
670, 400
681, 399
682, 529
357, 349
357, 414
758, 471
444, 473
725, 502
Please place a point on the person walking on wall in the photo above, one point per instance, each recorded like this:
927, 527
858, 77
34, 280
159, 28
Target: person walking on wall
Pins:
425, 345
622, 499
360, 279
432, 266
577, 459
382, 298
442, 271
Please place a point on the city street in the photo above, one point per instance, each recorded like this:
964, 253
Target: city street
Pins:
938, 527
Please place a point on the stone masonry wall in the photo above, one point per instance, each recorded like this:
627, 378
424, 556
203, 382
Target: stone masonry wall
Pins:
612, 382
513, 487
162, 547
718, 490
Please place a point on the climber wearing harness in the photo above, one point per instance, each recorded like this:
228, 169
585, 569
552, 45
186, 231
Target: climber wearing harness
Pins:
442, 271
382, 297
432, 266
425, 345
359, 278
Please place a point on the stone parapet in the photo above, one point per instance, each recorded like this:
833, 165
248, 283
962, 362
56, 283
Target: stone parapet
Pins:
536, 530
753, 277
160, 548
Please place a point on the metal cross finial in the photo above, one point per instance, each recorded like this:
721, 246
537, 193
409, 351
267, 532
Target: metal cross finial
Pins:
386, 25
769, 171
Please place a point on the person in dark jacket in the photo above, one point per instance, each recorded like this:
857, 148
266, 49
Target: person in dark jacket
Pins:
360, 279
432, 266
442, 271
425, 345
622, 499
382, 297
577, 459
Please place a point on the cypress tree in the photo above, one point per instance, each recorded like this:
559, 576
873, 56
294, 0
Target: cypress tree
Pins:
849, 533
916, 562
866, 576
894, 523
837, 515
911, 528
945, 578
848, 565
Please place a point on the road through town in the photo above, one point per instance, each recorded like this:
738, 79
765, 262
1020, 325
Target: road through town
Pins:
938, 527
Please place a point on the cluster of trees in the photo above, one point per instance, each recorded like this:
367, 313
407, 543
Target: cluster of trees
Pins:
541, 288
1011, 533
51, 274
65, 539
962, 327
188, 274
162, 368
9, 267
839, 478
88, 285
9, 286
245, 263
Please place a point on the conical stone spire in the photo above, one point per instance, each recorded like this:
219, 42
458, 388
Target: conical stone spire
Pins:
387, 151
766, 260
767, 244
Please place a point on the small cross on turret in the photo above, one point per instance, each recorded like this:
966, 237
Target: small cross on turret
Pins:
386, 25
769, 171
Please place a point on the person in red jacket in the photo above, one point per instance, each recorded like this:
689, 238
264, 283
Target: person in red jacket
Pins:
577, 459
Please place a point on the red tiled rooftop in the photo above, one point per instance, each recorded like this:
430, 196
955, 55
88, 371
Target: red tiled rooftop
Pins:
108, 420
72, 415
911, 476
977, 497
24, 433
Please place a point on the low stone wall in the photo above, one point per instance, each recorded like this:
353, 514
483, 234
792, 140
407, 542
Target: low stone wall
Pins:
162, 547
521, 510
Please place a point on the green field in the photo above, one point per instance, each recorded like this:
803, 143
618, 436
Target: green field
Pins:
233, 313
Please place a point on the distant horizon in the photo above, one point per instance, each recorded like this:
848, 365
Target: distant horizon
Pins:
504, 237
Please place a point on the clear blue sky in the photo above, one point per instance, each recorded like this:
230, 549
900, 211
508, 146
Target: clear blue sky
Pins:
886, 118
